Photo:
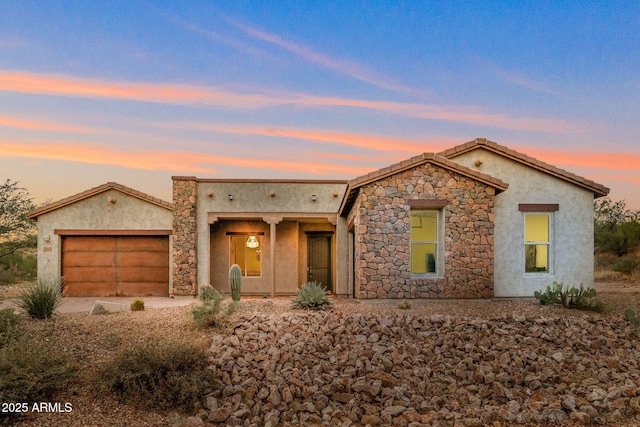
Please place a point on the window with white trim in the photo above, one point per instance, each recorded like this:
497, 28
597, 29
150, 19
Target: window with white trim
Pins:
537, 242
424, 242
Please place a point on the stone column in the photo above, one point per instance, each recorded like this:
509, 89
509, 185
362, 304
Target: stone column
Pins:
272, 221
185, 235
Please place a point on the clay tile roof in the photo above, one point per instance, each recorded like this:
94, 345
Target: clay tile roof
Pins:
598, 190
356, 183
94, 191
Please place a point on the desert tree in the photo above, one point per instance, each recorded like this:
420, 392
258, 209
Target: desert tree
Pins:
16, 230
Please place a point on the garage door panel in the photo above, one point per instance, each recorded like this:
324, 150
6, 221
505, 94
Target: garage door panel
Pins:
88, 289
89, 244
143, 259
116, 265
88, 259
89, 274
147, 244
141, 274
143, 289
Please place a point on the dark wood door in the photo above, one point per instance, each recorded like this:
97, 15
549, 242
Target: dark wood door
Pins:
116, 265
319, 260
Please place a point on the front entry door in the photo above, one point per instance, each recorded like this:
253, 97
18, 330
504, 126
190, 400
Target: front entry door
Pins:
319, 260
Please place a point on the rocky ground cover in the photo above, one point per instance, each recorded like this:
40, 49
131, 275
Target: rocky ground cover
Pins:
500, 362
514, 364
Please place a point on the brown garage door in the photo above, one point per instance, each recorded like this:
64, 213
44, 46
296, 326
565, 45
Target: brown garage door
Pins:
115, 265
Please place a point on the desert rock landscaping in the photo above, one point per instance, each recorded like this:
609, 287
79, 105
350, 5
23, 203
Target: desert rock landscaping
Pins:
469, 363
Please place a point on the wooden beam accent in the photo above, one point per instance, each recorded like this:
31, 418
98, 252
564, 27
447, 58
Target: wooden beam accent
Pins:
427, 203
73, 232
538, 207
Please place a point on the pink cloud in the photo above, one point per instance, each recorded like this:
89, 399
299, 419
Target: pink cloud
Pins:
173, 161
184, 94
18, 123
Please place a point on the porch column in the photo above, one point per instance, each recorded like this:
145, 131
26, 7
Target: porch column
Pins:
272, 221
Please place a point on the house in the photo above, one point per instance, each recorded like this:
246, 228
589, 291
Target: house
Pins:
478, 220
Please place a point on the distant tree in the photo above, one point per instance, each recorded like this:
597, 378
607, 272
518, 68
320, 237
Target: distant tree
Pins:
616, 228
16, 230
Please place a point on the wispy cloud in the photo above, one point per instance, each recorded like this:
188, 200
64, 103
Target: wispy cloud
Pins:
41, 126
212, 97
519, 79
214, 36
340, 66
173, 161
369, 142
599, 160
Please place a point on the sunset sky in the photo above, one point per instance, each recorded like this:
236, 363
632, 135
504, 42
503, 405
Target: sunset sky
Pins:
135, 92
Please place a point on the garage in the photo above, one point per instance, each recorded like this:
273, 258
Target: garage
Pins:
110, 240
115, 265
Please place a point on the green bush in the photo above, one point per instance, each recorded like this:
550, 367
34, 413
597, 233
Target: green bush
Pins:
311, 296
32, 369
137, 305
630, 315
8, 325
163, 373
18, 266
211, 311
626, 265
579, 298
42, 300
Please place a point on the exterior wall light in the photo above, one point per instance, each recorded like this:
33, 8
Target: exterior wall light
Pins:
314, 198
230, 196
111, 200
210, 193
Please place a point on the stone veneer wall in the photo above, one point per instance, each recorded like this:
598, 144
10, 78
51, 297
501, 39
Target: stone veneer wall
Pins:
185, 236
381, 218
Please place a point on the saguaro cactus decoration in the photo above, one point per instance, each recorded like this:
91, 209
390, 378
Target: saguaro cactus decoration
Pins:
235, 281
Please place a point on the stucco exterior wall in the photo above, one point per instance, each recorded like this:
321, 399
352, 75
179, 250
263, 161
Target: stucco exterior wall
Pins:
381, 218
95, 213
571, 226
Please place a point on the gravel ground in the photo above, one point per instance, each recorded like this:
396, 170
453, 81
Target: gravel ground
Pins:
91, 340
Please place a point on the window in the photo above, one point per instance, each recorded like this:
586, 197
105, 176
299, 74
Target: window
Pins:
537, 242
246, 251
424, 241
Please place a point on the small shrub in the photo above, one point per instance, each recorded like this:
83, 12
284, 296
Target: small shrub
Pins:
211, 311
164, 373
405, 305
8, 325
579, 298
32, 369
311, 296
626, 265
137, 304
630, 315
42, 300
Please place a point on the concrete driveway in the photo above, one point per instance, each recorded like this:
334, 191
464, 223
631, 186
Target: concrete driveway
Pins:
84, 304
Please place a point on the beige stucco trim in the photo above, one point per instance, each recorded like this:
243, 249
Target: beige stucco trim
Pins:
213, 217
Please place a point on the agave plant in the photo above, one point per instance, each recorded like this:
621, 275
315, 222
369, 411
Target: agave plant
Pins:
311, 296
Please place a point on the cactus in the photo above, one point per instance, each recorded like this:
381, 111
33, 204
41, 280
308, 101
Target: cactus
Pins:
235, 281
580, 298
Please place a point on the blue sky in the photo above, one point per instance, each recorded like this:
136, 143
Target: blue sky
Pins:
135, 92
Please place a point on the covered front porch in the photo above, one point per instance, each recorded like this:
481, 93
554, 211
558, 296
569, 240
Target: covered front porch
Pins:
276, 253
